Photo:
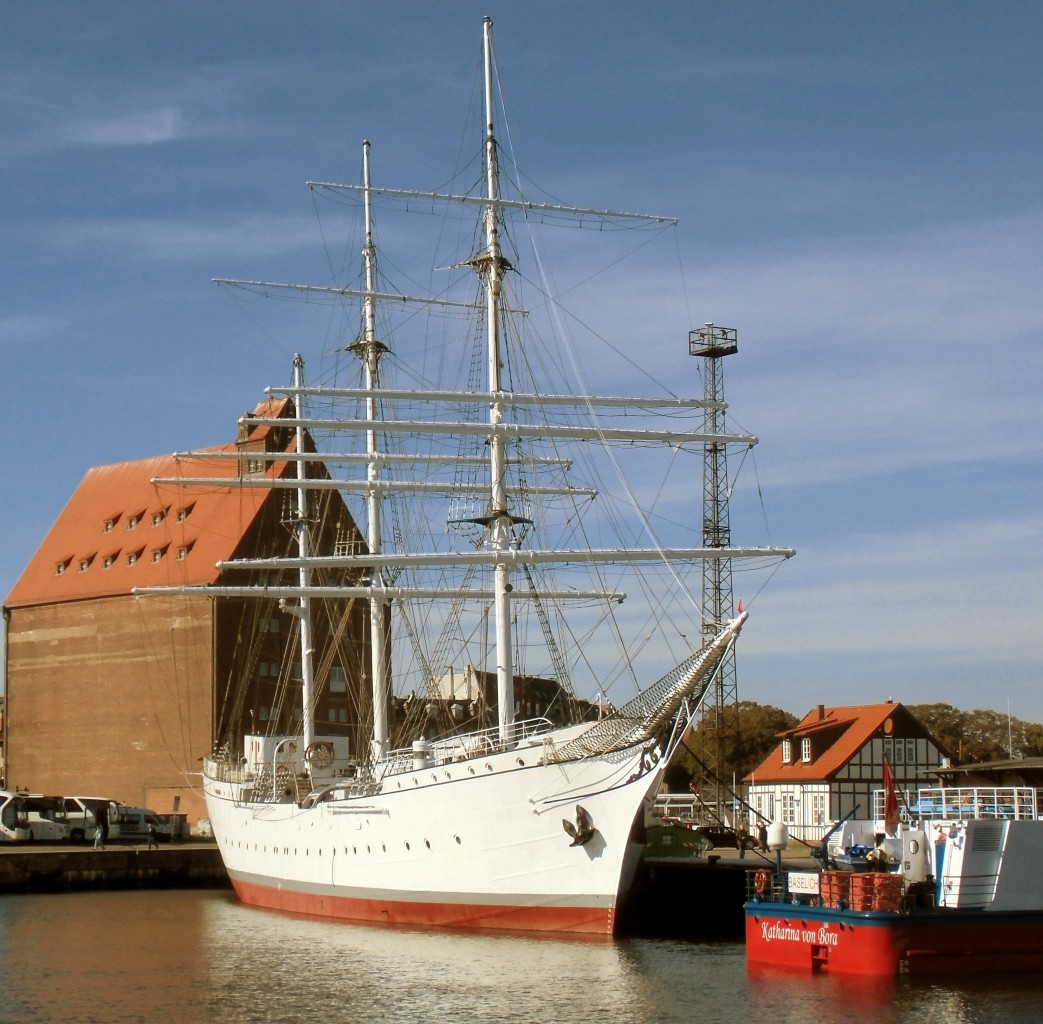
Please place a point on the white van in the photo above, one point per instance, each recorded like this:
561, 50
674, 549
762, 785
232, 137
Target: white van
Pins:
134, 821
84, 813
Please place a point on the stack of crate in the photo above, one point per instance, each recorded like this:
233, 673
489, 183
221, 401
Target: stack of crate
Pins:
835, 886
874, 890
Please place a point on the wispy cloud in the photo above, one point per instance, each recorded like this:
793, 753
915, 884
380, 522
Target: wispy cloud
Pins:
172, 240
137, 128
20, 329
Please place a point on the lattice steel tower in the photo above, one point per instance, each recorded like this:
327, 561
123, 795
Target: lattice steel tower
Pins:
713, 343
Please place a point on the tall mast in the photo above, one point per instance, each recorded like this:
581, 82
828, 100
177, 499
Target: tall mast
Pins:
491, 267
300, 523
369, 350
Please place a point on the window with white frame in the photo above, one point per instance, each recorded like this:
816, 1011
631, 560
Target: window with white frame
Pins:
805, 749
818, 808
787, 751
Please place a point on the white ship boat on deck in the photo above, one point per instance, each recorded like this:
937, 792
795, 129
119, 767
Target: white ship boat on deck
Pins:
528, 824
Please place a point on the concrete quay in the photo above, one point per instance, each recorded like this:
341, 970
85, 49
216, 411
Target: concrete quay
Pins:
40, 867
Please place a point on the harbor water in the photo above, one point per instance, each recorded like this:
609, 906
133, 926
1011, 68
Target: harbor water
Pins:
199, 956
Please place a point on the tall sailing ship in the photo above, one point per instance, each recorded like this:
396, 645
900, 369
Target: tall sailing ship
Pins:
517, 806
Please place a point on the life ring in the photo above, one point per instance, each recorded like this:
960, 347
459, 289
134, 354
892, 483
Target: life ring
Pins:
319, 754
761, 881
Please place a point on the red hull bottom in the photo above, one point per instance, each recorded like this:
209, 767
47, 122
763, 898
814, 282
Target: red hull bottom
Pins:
849, 942
573, 920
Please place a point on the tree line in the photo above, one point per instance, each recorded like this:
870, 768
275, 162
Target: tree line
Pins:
734, 743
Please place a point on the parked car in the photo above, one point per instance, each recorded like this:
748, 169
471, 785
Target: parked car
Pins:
722, 835
134, 821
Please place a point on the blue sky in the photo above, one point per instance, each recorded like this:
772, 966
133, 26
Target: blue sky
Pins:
859, 193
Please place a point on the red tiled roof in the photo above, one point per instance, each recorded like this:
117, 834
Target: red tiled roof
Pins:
853, 728
119, 530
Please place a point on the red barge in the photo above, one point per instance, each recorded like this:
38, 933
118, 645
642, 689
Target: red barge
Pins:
971, 901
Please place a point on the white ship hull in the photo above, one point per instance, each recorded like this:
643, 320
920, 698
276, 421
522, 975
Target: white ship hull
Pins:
477, 844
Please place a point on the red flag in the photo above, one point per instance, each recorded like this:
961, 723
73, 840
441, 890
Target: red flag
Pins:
890, 801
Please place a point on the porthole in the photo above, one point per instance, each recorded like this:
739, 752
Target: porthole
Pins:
427, 843
457, 838
407, 845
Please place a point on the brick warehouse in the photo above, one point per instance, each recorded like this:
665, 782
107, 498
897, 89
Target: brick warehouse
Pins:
119, 695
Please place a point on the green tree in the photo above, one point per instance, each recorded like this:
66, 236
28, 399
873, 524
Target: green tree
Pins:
972, 737
746, 737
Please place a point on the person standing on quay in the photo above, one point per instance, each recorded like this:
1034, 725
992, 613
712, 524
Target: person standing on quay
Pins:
99, 838
152, 844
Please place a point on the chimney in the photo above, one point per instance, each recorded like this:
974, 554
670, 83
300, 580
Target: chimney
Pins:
822, 712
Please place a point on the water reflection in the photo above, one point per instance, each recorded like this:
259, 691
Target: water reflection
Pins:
201, 957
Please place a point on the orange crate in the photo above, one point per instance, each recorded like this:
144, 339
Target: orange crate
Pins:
863, 887
887, 894
834, 886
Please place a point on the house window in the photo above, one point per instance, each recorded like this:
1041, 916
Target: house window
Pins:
270, 626
107, 528
910, 751
787, 751
182, 513
84, 564
132, 558
132, 522
789, 809
107, 563
818, 808
158, 517
805, 749
182, 554
60, 568
338, 680
254, 466
264, 714
157, 554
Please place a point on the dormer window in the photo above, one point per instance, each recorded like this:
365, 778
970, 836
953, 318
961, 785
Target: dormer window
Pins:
158, 517
182, 554
132, 522
157, 554
59, 569
787, 751
107, 561
254, 466
133, 556
805, 749
183, 513
109, 524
